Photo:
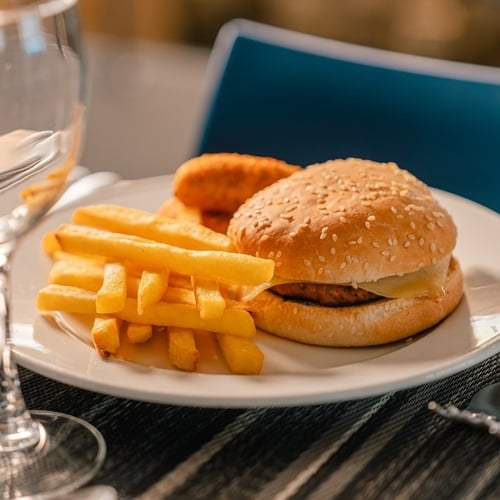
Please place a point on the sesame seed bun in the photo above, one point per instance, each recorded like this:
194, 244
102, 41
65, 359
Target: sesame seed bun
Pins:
344, 221
347, 222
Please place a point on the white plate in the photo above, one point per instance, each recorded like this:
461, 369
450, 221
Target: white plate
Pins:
293, 374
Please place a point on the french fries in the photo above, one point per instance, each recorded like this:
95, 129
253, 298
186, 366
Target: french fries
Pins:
227, 266
139, 275
182, 349
209, 300
112, 295
180, 233
106, 335
152, 287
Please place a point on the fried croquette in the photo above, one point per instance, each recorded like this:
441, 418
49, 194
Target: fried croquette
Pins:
175, 209
221, 182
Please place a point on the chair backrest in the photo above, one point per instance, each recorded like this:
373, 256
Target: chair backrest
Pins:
305, 99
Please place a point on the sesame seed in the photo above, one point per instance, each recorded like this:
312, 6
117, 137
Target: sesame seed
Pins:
394, 210
354, 285
342, 219
375, 244
342, 265
431, 226
352, 242
333, 251
433, 247
307, 220
411, 236
324, 229
367, 225
393, 258
360, 240
412, 225
271, 254
278, 254
321, 258
322, 236
307, 262
348, 259
385, 253
421, 242
334, 237
320, 270
370, 218
407, 244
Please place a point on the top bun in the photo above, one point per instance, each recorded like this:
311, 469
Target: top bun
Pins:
345, 221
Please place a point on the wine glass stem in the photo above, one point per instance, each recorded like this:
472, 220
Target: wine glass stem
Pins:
17, 429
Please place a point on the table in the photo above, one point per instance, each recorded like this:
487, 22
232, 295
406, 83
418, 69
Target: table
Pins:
386, 447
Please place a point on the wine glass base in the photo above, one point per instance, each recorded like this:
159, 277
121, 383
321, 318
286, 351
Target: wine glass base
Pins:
68, 455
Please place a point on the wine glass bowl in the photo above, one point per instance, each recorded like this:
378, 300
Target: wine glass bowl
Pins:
42, 102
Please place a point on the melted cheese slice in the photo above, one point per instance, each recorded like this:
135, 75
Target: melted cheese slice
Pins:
427, 281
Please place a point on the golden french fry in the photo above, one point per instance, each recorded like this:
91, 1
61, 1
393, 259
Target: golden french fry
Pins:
86, 275
207, 344
209, 301
75, 300
183, 233
89, 276
180, 281
73, 257
233, 267
233, 321
182, 349
49, 243
242, 355
136, 334
113, 292
67, 299
176, 295
152, 286
106, 335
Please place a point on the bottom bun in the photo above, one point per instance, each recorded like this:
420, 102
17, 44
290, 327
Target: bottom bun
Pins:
374, 323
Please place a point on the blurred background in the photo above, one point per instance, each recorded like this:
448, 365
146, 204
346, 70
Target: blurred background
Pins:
148, 60
462, 30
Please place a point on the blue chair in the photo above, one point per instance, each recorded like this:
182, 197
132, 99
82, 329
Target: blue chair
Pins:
305, 99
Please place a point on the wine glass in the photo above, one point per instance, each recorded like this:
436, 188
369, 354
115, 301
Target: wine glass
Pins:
42, 95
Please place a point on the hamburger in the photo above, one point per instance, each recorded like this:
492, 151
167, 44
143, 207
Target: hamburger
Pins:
362, 252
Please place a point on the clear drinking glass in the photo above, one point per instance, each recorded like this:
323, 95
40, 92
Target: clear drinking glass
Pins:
42, 102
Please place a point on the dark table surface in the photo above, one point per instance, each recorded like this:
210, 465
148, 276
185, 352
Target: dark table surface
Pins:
389, 446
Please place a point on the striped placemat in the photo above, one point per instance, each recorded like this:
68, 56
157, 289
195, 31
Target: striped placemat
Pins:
387, 447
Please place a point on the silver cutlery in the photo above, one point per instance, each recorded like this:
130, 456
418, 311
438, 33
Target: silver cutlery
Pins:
483, 410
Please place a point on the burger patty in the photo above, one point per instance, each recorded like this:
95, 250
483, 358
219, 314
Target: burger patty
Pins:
325, 294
